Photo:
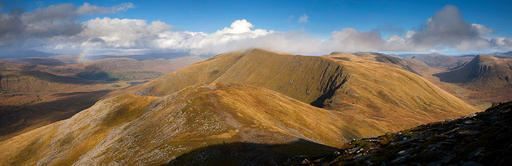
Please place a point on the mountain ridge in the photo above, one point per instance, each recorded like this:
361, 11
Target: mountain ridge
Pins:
255, 96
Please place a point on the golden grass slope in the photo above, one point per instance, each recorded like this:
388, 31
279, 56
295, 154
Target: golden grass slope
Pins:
485, 79
390, 98
142, 130
381, 92
253, 96
12, 81
301, 77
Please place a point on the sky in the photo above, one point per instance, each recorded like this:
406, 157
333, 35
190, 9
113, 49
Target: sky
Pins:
113, 27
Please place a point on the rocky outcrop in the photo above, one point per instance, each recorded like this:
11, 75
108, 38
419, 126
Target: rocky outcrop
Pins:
484, 138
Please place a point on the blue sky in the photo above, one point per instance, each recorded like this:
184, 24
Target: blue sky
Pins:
324, 16
386, 18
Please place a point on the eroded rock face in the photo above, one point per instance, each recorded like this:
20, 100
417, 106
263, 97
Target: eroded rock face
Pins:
479, 139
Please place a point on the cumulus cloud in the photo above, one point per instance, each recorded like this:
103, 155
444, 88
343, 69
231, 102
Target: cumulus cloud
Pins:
17, 27
57, 31
350, 39
121, 33
87, 8
40, 26
303, 19
447, 29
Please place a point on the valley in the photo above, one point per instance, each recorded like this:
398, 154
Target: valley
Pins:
479, 80
39, 91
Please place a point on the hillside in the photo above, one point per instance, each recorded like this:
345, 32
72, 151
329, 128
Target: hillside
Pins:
129, 129
38, 91
483, 69
36, 81
485, 77
331, 82
31, 99
440, 61
390, 96
480, 139
407, 64
461, 75
265, 99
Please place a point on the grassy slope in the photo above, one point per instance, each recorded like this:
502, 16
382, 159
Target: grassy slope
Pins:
159, 120
36, 81
441, 61
39, 92
480, 82
482, 138
390, 98
137, 130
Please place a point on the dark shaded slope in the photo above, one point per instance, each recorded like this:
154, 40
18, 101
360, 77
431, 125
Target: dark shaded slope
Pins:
483, 138
251, 153
384, 58
15, 119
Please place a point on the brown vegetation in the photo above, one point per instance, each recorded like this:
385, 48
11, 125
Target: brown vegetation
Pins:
253, 96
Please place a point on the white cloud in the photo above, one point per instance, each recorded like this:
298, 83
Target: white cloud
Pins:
87, 8
125, 35
49, 28
303, 19
122, 33
482, 29
55, 29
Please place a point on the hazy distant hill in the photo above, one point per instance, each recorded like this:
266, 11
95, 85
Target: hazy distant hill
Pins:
488, 78
260, 101
441, 61
484, 70
503, 55
38, 91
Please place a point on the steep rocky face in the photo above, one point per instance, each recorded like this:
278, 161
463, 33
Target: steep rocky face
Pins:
479, 139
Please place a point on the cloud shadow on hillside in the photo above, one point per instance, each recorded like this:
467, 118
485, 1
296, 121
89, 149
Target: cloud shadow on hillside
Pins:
14, 119
240, 153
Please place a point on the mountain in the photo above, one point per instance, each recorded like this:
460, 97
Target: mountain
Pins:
407, 64
31, 99
156, 129
482, 69
37, 91
37, 60
487, 77
275, 105
37, 81
479, 139
129, 64
330, 82
440, 61
503, 54
477, 79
